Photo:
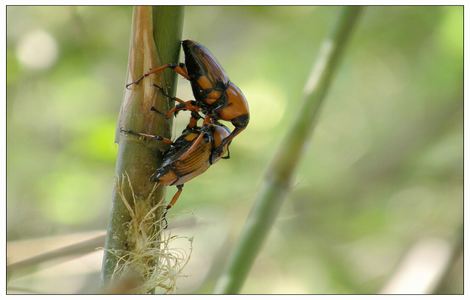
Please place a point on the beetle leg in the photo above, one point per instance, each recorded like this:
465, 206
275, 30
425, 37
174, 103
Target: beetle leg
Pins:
186, 105
160, 138
195, 116
183, 105
171, 112
178, 68
157, 111
164, 219
229, 139
181, 69
208, 119
228, 153
154, 137
172, 203
174, 111
240, 124
151, 71
175, 197
164, 93
168, 96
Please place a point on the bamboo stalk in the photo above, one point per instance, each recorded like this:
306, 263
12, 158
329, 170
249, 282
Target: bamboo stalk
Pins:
63, 254
155, 40
53, 257
278, 178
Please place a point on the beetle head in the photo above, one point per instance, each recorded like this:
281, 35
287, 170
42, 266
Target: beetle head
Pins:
220, 132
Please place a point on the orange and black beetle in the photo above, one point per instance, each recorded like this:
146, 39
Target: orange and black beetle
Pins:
189, 155
215, 95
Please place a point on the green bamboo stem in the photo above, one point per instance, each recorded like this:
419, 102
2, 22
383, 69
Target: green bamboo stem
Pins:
155, 40
278, 178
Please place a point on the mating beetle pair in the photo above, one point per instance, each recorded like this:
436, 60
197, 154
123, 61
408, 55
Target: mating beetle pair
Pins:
188, 156
218, 99
215, 96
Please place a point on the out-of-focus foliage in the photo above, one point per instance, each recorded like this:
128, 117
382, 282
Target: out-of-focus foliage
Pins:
384, 169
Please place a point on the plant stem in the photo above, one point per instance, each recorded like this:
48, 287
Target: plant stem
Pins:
278, 179
155, 40
53, 257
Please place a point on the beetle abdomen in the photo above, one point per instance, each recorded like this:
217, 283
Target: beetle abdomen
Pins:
236, 104
194, 164
200, 62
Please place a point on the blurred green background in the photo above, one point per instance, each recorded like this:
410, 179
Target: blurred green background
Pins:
382, 177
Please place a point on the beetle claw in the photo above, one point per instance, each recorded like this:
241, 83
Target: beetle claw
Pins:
134, 82
162, 90
126, 131
157, 86
157, 111
164, 93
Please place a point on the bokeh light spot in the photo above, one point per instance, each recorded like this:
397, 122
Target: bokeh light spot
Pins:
267, 104
37, 50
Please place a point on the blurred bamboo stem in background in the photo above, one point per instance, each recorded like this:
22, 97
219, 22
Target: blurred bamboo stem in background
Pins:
415, 275
53, 257
64, 254
277, 180
155, 39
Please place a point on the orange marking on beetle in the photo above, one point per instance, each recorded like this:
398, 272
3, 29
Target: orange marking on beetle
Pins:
168, 178
204, 83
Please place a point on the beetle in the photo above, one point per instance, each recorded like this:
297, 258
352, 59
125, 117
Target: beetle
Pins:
189, 155
215, 95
